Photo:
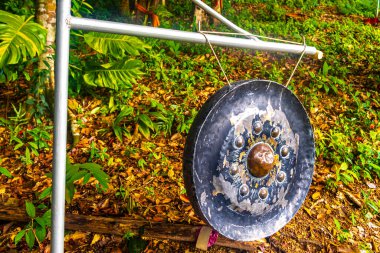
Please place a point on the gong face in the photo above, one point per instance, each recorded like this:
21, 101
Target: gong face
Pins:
249, 159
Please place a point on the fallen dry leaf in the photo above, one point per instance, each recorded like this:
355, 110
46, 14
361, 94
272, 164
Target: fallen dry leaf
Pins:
96, 238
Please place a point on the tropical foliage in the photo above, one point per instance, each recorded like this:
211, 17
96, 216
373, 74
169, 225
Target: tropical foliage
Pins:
20, 38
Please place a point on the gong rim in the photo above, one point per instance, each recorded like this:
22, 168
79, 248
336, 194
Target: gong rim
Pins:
208, 143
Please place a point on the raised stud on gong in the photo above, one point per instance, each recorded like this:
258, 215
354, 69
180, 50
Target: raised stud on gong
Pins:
234, 169
263, 193
275, 132
244, 190
280, 176
284, 151
257, 127
260, 160
239, 141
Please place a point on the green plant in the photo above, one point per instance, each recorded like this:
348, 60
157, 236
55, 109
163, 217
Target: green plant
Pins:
163, 118
183, 119
135, 243
342, 234
32, 140
80, 8
141, 163
96, 153
36, 229
371, 204
344, 174
113, 75
5, 172
116, 45
124, 194
128, 235
361, 7
118, 126
76, 172
20, 37
85, 171
149, 190
353, 219
118, 69
20, 7
145, 124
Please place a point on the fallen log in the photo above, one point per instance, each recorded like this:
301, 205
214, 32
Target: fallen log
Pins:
120, 225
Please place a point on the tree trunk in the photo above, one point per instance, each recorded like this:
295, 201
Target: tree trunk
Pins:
46, 16
125, 7
199, 17
217, 6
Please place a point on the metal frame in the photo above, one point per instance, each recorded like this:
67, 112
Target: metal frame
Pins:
65, 22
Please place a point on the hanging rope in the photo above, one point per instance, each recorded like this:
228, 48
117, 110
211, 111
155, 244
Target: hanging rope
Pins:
298, 62
258, 36
213, 51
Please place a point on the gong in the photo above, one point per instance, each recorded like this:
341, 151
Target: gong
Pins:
249, 159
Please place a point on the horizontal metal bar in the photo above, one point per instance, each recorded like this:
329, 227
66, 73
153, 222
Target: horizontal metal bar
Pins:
183, 36
222, 19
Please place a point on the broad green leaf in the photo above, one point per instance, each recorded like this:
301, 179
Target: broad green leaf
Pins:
145, 120
76, 176
116, 45
144, 131
34, 151
89, 166
40, 221
29, 238
114, 74
27, 156
45, 193
125, 112
343, 166
325, 69
374, 166
372, 204
19, 236
33, 145
97, 172
5, 172
18, 145
40, 233
47, 217
71, 170
30, 209
20, 37
69, 192
337, 223
86, 178
118, 132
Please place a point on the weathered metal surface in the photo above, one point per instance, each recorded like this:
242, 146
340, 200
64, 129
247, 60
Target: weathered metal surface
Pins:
249, 159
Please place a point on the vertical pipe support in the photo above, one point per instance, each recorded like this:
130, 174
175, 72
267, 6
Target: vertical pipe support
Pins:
60, 125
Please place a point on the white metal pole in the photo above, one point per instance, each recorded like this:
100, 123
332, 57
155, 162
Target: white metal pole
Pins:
60, 125
192, 37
